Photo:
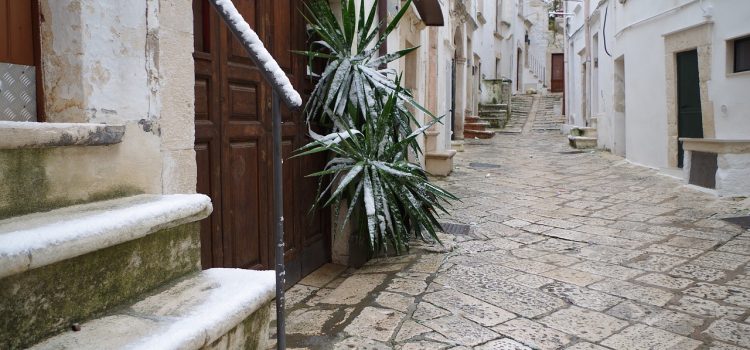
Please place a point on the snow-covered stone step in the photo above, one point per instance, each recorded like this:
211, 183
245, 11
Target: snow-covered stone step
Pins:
495, 121
35, 240
75, 263
478, 134
493, 106
582, 142
481, 126
215, 308
584, 131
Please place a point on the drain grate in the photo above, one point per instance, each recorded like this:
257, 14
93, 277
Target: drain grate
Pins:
455, 229
483, 165
741, 221
571, 152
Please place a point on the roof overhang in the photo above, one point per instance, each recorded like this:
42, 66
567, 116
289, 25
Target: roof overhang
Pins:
430, 12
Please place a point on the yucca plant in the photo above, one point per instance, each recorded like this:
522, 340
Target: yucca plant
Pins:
389, 198
374, 167
355, 74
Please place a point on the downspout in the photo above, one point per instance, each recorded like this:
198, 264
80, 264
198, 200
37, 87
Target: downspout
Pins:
566, 80
587, 64
383, 18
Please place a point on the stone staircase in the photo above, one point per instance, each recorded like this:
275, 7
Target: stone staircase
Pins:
584, 137
549, 113
520, 108
118, 273
497, 115
475, 128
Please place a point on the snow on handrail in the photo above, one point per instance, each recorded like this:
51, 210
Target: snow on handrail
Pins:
268, 66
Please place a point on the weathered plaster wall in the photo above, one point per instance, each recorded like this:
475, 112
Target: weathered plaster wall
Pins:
487, 44
176, 93
732, 176
127, 63
47, 178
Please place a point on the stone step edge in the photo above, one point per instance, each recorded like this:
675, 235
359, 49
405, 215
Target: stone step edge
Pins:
441, 154
582, 138
39, 239
478, 134
191, 313
18, 135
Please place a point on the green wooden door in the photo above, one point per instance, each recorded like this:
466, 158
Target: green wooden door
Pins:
689, 118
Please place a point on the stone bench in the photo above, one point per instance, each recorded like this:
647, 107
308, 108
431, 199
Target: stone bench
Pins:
723, 165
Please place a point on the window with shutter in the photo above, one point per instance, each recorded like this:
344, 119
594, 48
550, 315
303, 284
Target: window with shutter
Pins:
741, 55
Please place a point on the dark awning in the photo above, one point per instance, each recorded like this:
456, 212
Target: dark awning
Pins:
430, 11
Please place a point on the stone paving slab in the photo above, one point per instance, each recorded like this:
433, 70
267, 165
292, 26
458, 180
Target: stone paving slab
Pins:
579, 251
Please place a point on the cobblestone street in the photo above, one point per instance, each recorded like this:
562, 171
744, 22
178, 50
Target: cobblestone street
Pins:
567, 250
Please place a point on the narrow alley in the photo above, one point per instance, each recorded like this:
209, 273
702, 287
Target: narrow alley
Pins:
375, 174
553, 248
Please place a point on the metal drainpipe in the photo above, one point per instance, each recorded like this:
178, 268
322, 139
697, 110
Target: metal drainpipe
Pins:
278, 201
453, 98
383, 17
586, 81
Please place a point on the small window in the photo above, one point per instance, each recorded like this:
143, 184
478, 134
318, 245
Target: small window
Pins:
741, 48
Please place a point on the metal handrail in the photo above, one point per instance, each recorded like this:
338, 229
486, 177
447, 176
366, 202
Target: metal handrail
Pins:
283, 90
267, 65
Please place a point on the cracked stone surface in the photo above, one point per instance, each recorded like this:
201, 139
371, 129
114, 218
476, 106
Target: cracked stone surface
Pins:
579, 251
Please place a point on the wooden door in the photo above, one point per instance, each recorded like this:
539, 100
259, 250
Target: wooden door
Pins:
234, 146
557, 83
689, 116
20, 56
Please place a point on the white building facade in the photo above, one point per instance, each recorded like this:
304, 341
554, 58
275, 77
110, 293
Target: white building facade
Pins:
666, 84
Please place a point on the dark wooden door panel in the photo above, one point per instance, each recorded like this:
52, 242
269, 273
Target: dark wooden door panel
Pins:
16, 32
233, 144
244, 235
558, 73
689, 116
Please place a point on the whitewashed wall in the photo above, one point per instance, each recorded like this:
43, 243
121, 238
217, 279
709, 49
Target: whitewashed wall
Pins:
636, 31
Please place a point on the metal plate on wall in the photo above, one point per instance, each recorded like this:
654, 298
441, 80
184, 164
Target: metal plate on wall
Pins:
17, 93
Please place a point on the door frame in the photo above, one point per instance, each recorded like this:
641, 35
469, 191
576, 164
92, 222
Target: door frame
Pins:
308, 237
694, 38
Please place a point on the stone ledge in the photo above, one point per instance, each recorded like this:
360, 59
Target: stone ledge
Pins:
441, 155
15, 135
193, 313
35, 240
717, 146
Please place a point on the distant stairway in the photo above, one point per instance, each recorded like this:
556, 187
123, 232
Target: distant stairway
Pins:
475, 128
